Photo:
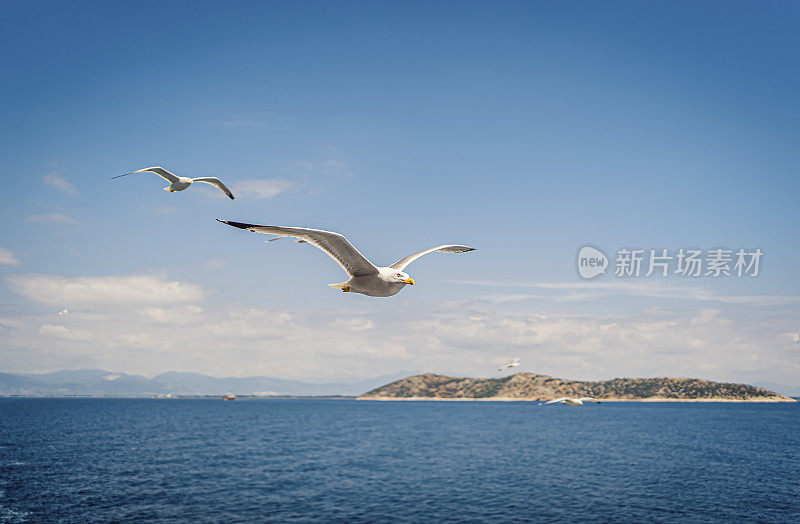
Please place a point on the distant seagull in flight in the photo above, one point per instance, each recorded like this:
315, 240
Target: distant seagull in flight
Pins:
572, 401
179, 183
63, 312
512, 364
365, 277
796, 337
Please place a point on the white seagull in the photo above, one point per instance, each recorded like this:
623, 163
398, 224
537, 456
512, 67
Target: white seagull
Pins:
63, 312
796, 337
572, 401
513, 363
179, 183
365, 277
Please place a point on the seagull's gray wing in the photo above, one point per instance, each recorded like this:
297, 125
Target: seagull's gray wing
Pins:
334, 244
446, 248
160, 171
589, 399
556, 400
214, 181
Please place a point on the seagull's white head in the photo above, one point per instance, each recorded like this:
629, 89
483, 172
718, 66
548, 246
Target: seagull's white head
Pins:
400, 277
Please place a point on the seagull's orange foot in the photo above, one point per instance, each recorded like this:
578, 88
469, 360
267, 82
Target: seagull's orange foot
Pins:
345, 289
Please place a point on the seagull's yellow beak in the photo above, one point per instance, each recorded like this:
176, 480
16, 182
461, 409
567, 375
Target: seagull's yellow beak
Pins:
409, 281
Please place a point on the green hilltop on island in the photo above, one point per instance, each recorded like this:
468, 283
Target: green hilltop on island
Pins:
530, 386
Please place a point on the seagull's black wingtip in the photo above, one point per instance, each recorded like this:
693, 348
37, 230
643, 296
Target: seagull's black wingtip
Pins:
240, 225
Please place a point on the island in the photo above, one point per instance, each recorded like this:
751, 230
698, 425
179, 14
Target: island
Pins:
534, 387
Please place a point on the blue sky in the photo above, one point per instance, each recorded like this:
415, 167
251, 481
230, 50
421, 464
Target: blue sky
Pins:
524, 129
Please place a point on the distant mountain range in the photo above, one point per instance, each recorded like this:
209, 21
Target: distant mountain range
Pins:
529, 386
100, 382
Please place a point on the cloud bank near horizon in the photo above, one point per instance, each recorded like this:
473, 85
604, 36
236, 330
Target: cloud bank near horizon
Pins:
148, 324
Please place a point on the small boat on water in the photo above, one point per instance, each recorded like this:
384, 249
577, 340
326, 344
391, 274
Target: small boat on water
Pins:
229, 396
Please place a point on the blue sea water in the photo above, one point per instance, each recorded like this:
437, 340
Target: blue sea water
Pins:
259, 460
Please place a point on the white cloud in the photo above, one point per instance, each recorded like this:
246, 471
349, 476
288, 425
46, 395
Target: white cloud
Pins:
173, 315
215, 263
60, 218
654, 343
56, 290
263, 187
231, 340
761, 300
253, 324
57, 181
581, 291
356, 324
63, 332
149, 324
311, 175
7, 258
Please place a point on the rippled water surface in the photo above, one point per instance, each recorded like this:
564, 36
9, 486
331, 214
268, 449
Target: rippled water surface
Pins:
78, 460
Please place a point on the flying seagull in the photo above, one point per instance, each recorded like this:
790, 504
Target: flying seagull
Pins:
63, 312
513, 363
572, 401
796, 337
179, 183
365, 277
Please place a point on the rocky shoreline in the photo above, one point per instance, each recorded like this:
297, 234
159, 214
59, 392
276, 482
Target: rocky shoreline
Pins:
505, 399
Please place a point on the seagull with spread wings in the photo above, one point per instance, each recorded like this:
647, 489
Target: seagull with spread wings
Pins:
179, 183
365, 277
572, 401
512, 364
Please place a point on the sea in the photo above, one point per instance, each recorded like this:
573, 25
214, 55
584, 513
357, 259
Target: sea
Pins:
344, 460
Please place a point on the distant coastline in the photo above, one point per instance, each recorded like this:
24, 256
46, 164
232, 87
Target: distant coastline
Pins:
105, 383
190, 397
386, 399
97, 383
506, 399
531, 387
